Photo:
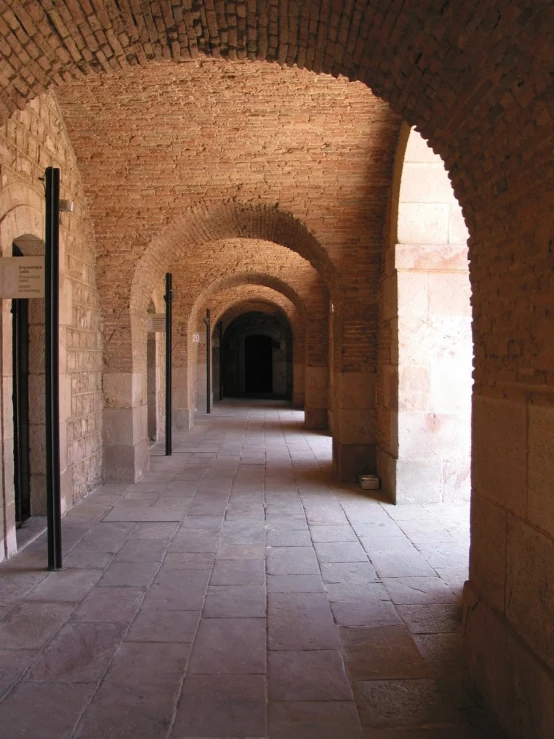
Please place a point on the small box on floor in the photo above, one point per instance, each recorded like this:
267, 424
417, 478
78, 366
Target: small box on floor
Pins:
369, 482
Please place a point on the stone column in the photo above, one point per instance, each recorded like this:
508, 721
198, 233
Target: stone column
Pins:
316, 380
316, 372
354, 425
8, 543
200, 374
298, 392
509, 601
125, 427
354, 380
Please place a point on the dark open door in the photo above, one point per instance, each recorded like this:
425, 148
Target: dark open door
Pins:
22, 480
258, 364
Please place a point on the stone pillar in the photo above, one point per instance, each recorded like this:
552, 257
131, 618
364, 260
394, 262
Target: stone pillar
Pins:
298, 326
8, 543
434, 385
509, 601
425, 388
151, 387
316, 371
315, 401
183, 413
125, 427
200, 374
183, 368
298, 394
354, 424
66, 393
354, 381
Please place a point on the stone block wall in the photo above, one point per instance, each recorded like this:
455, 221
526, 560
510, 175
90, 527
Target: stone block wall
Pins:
155, 373
32, 140
426, 373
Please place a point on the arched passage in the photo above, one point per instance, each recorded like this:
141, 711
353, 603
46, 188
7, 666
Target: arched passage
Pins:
309, 336
473, 77
257, 356
232, 302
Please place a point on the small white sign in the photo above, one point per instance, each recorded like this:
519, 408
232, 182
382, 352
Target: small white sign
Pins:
21, 277
196, 338
156, 322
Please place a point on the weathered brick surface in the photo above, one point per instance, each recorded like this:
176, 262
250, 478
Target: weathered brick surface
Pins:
300, 160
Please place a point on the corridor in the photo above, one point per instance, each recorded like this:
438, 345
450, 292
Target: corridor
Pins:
236, 591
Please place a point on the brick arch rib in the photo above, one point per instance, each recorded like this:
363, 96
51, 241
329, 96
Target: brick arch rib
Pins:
463, 69
238, 307
227, 220
237, 280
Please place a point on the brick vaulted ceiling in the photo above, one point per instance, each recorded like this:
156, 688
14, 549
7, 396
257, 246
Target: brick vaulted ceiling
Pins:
153, 142
468, 73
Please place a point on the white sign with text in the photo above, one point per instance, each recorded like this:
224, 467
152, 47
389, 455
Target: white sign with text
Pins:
21, 277
156, 322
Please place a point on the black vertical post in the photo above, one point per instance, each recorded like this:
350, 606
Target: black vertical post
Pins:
221, 360
51, 326
207, 321
168, 378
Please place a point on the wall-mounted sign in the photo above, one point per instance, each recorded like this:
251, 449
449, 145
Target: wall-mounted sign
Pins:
21, 277
156, 322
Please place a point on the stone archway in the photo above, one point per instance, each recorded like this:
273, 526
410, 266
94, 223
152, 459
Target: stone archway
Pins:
311, 301
232, 302
472, 77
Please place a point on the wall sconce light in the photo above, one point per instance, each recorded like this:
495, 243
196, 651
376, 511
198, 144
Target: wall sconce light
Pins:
66, 206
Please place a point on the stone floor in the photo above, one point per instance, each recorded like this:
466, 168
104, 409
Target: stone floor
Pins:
236, 591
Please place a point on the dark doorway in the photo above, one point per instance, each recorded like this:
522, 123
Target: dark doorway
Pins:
20, 349
258, 364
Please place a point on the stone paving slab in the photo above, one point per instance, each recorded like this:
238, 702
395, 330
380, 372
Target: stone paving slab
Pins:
237, 592
43, 710
308, 676
12, 666
79, 653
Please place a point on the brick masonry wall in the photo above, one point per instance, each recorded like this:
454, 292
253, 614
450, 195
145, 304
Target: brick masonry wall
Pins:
314, 147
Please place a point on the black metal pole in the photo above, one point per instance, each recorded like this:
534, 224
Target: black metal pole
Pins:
51, 326
221, 360
168, 378
207, 321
